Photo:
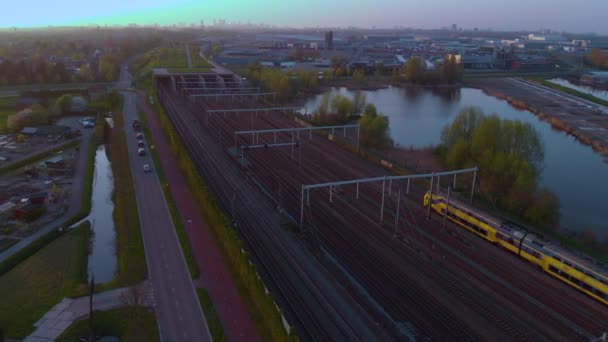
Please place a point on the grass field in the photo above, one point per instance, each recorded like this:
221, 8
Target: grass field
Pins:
123, 323
213, 321
197, 61
30, 289
167, 57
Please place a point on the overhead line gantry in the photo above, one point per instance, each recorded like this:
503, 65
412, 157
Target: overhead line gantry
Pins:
307, 187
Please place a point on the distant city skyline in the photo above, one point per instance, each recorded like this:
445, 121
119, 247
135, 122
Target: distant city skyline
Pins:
559, 15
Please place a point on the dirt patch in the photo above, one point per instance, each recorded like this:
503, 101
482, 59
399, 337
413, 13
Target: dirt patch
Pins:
419, 160
587, 122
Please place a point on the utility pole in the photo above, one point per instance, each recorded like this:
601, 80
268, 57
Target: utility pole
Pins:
92, 290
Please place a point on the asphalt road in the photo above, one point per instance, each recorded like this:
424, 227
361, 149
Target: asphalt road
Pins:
178, 312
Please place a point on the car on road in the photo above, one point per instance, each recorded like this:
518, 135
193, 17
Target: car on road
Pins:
136, 125
139, 136
140, 143
147, 168
141, 152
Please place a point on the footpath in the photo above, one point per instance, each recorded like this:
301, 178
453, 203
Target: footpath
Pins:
70, 310
233, 314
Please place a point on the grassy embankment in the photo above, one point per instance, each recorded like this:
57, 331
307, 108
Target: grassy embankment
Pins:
131, 259
140, 326
34, 286
198, 63
213, 321
260, 305
571, 91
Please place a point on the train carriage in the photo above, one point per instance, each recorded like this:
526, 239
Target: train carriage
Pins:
579, 272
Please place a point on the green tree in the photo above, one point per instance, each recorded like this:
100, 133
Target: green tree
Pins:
341, 107
374, 129
414, 70
114, 98
379, 69
509, 155
108, 67
216, 48
85, 74
451, 69
64, 103
359, 77
359, 102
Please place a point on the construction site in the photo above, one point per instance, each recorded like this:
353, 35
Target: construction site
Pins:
344, 243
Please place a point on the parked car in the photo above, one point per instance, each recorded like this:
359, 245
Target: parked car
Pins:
141, 152
147, 168
139, 136
140, 143
88, 124
136, 125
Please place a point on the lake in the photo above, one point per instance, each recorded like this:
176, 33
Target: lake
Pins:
572, 170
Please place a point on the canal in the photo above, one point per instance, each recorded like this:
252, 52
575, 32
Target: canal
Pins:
572, 170
102, 259
600, 94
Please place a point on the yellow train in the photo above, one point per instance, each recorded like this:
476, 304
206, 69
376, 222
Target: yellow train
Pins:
577, 271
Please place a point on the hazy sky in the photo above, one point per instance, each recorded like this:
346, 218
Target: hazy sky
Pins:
569, 15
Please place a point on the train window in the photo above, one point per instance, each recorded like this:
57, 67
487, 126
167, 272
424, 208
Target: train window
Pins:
557, 258
553, 269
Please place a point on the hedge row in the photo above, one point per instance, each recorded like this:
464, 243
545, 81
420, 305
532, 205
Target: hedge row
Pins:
260, 304
32, 159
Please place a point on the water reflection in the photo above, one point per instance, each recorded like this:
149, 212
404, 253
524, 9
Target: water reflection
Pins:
572, 170
599, 93
102, 260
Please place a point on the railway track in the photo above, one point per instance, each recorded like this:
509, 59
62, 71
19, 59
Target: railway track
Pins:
290, 286
263, 165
